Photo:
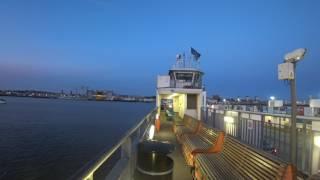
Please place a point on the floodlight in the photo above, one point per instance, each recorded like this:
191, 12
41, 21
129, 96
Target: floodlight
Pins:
295, 55
151, 132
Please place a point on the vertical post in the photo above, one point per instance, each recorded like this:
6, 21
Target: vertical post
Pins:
239, 126
303, 154
263, 119
213, 115
293, 134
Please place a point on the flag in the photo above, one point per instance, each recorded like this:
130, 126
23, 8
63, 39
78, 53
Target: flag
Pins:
195, 54
178, 57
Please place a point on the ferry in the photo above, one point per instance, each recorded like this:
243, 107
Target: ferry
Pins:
183, 139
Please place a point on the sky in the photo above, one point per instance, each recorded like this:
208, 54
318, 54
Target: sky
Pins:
122, 45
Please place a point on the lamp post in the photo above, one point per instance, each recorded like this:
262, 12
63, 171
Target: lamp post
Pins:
287, 71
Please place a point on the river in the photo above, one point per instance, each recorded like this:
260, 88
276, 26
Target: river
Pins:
52, 139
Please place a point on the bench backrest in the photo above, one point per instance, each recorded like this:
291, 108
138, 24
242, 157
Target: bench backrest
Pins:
208, 134
251, 163
190, 122
186, 120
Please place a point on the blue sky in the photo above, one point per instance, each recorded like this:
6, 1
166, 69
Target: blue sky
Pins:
123, 45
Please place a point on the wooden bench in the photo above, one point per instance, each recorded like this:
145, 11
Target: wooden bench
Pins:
189, 126
204, 140
239, 161
177, 123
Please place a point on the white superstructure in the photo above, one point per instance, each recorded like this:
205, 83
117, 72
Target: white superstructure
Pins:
181, 90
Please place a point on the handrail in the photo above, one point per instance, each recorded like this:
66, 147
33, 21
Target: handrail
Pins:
92, 166
272, 114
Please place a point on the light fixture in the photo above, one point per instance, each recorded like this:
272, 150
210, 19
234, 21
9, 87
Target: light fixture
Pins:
316, 141
238, 99
228, 119
272, 98
295, 55
151, 132
224, 100
172, 95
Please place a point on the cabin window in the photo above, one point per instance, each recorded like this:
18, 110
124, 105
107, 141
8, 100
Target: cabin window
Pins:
191, 101
184, 76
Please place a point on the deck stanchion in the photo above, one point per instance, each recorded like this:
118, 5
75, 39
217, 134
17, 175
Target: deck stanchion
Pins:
239, 126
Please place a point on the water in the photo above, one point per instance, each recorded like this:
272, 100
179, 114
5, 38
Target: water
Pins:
51, 139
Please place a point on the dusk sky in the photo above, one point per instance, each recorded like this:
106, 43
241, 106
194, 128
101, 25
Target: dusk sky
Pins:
122, 45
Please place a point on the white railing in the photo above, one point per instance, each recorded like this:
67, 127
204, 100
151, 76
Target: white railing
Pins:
117, 162
269, 132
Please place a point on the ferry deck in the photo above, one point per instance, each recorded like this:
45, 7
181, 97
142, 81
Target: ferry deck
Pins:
180, 169
230, 142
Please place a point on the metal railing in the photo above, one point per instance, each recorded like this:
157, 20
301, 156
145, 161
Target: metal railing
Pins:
186, 85
271, 133
117, 162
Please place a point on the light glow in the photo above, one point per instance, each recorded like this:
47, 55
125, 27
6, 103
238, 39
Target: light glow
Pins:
317, 141
151, 132
272, 98
228, 119
224, 100
172, 95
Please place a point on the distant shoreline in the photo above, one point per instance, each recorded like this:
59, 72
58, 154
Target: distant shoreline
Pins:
78, 99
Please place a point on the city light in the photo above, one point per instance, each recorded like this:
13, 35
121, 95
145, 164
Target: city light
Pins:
238, 99
272, 98
224, 100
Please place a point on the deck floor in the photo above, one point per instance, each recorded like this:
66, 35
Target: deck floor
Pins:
180, 169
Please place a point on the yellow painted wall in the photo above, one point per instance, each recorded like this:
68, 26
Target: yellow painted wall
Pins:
176, 104
182, 104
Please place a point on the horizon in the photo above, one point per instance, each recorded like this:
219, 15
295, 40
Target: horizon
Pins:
123, 45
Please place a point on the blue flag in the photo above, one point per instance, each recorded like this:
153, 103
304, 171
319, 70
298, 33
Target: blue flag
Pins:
195, 54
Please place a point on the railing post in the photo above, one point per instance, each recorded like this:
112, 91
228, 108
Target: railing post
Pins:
239, 126
213, 115
304, 138
263, 119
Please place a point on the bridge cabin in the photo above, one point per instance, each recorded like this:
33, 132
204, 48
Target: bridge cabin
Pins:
181, 91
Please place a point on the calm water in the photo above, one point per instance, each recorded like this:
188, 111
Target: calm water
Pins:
51, 139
